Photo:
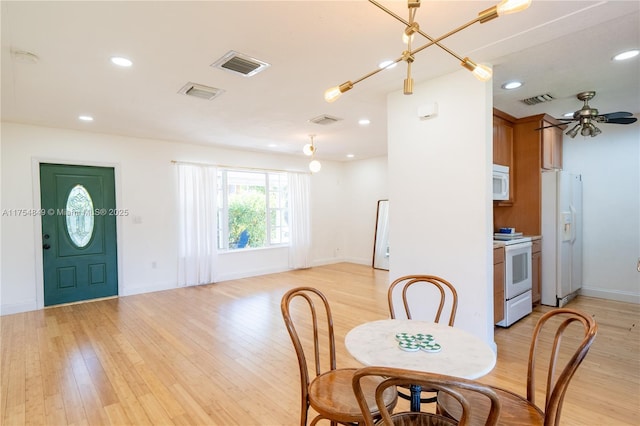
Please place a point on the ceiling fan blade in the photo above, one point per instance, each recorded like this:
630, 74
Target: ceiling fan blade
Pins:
622, 120
555, 125
618, 114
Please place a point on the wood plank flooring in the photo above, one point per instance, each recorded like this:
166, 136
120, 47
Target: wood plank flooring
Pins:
220, 355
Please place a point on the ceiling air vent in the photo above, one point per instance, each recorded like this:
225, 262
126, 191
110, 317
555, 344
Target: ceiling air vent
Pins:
241, 64
200, 91
324, 119
538, 99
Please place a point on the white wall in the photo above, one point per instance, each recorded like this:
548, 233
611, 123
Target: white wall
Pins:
366, 182
440, 203
145, 185
610, 168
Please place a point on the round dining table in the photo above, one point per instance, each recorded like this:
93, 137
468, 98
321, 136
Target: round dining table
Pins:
459, 354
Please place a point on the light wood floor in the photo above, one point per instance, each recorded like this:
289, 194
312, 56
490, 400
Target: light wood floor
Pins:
220, 355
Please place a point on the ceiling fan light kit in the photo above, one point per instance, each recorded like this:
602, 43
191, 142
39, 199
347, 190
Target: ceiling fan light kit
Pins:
481, 72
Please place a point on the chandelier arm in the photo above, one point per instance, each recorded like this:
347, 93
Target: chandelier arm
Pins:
419, 49
376, 71
433, 41
442, 37
410, 22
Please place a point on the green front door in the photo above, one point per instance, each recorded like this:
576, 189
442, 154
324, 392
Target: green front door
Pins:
78, 233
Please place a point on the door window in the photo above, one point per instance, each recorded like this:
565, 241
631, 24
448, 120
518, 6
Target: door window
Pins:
79, 213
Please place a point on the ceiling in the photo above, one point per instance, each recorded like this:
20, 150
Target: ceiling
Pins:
555, 47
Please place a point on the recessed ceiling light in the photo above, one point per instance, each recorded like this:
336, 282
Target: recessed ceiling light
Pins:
121, 62
387, 64
627, 54
364, 122
85, 118
272, 145
350, 155
511, 85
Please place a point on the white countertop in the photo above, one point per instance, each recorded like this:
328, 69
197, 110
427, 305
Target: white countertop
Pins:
462, 355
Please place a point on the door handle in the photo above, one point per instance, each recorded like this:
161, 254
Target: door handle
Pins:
46, 246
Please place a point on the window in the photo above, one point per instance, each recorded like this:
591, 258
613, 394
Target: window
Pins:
252, 209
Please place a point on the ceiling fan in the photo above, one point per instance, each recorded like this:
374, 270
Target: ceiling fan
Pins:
587, 117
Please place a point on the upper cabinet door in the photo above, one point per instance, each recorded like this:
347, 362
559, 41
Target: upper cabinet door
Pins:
502, 142
551, 147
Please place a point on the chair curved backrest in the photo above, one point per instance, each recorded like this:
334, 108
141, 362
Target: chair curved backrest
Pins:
319, 310
446, 290
442, 383
559, 376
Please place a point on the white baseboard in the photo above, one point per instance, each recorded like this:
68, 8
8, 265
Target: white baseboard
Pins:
16, 308
130, 291
251, 273
620, 296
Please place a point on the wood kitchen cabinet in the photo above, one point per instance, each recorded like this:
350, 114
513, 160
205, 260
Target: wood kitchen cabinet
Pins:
533, 151
503, 146
551, 146
536, 269
502, 139
498, 284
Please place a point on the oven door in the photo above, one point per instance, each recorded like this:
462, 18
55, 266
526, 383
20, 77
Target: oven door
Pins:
517, 269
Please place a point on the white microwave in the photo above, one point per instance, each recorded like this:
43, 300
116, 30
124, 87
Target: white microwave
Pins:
500, 182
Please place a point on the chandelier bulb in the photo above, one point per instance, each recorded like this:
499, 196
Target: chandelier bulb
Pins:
309, 149
481, 72
315, 166
512, 6
409, 32
406, 38
333, 93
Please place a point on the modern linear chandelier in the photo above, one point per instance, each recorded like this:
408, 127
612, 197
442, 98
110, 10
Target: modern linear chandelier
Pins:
481, 72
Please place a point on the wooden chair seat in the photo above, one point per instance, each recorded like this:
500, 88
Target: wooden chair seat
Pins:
560, 342
331, 395
419, 419
443, 384
323, 386
516, 411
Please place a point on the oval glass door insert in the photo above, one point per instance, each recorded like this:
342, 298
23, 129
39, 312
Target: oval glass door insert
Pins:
79, 216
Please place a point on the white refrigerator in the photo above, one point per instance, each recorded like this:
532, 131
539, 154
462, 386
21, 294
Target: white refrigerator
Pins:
561, 237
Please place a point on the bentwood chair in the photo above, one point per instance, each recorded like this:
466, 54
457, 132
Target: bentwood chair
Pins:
328, 391
452, 386
423, 292
437, 290
562, 338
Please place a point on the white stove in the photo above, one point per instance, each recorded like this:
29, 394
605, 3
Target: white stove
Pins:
517, 283
513, 238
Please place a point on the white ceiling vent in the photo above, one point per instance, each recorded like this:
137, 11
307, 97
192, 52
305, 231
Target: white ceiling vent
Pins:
238, 63
200, 91
324, 119
538, 99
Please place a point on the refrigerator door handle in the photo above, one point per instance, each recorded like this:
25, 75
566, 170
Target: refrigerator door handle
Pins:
573, 223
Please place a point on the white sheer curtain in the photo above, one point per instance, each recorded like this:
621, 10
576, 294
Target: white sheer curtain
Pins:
299, 220
197, 224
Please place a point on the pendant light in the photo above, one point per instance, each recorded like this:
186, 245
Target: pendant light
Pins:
310, 150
